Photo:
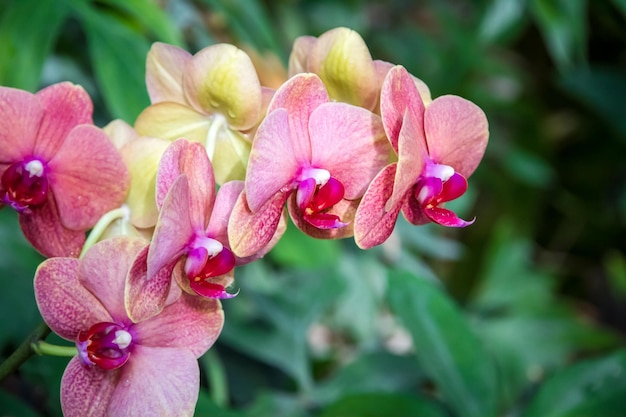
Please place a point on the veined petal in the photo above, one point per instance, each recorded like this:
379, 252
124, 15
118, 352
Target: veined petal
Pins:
344, 210
299, 56
411, 156
456, 132
399, 94
88, 177
157, 382
174, 228
273, 163
190, 159
103, 270
222, 79
64, 303
87, 392
171, 121
342, 60
44, 230
191, 322
224, 203
251, 232
413, 211
20, 116
350, 143
165, 65
65, 105
142, 156
373, 224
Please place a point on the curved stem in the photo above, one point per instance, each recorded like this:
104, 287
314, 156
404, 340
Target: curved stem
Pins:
44, 348
24, 351
100, 227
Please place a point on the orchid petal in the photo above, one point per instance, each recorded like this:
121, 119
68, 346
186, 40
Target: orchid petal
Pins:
343, 62
305, 192
373, 224
224, 203
143, 297
157, 382
411, 156
191, 322
250, 232
300, 96
174, 229
190, 159
171, 121
413, 211
399, 95
20, 116
209, 289
456, 132
349, 142
453, 188
446, 217
108, 284
87, 392
65, 106
229, 150
64, 303
120, 133
273, 163
222, 79
165, 65
299, 56
344, 210
88, 177
142, 156
43, 228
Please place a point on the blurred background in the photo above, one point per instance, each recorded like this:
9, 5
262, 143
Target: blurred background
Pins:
521, 314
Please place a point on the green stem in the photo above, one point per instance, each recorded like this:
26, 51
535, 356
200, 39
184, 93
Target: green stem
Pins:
217, 379
101, 226
23, 352
44, 348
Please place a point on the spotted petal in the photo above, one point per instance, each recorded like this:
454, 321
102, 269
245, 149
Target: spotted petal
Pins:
87, 392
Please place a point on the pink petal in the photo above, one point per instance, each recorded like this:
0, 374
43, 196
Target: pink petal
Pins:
350, 143
412, 153
65, 106
300, 96
88, 177
372, 223
344, 210
413, 211
191, 322
165, 65
20, 116
103, 270
189, 158
299, 56
212, 290
224, 203
143, 297
273, 161
157, 382
174, 229
250, 233
44, 230
399, 94
456, 132
446, 217
87, 392
453, 188
64, 303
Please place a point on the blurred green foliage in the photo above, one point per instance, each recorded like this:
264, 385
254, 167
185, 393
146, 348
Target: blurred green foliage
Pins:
521, 314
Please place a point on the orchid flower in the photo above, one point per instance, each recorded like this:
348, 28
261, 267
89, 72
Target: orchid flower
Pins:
124, 367
438, 146
342, 60
213, 97
59, 171
192, 226
320, 153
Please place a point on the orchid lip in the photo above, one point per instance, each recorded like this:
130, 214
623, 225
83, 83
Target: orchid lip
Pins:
105, 345
24, 185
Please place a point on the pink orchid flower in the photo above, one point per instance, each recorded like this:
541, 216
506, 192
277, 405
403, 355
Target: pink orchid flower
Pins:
124, 367
438, 146
320, 153
59, 171
192, 227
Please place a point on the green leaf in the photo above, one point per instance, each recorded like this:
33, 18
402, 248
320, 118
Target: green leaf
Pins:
591, 388
28, 30
118, 56
296, 249
501, 18
447, 348
383, 405
564, 30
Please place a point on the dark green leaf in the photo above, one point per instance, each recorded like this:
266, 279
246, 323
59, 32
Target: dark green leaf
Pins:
383, 405
447, 348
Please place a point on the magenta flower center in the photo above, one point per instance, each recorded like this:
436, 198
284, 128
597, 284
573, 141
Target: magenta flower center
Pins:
316, 194
105, 345
24, 184
207, 258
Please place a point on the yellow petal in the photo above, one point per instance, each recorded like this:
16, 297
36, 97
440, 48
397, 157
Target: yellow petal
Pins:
172, 121
229, 151
164, 72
